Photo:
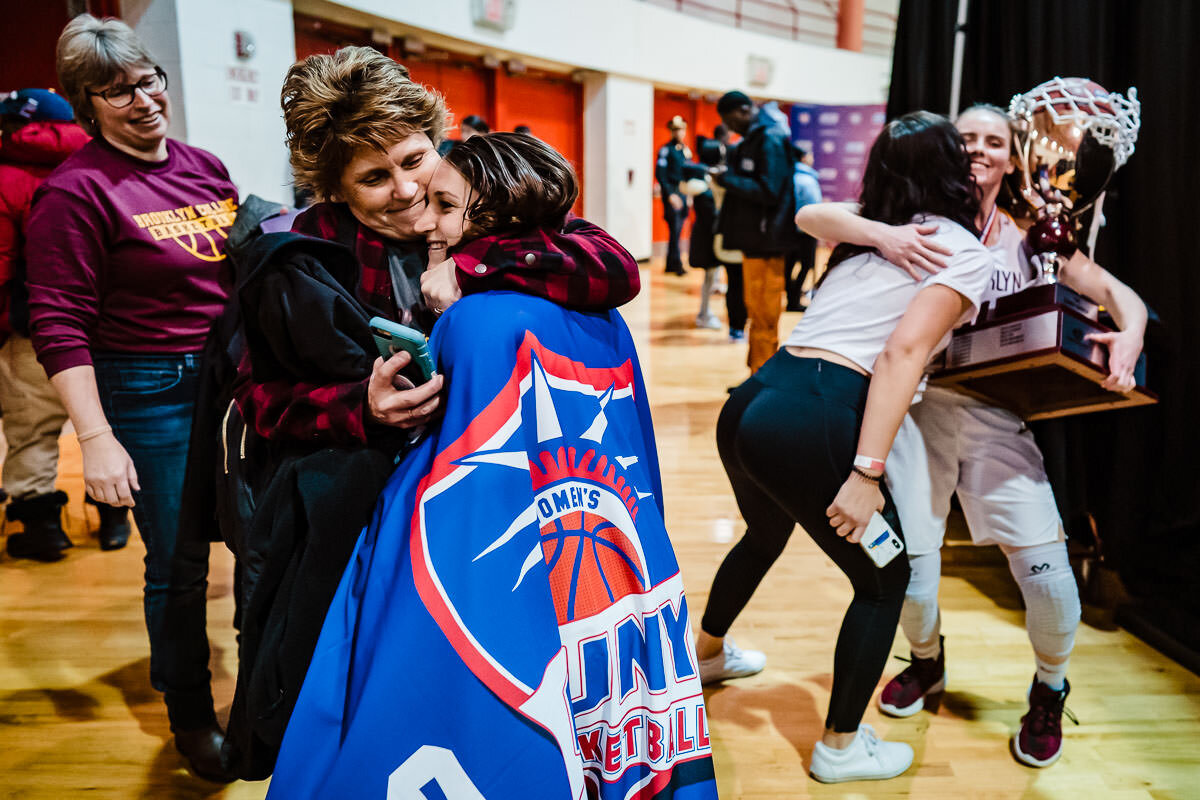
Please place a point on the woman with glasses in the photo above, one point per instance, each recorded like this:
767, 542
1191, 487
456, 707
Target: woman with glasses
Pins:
126, 263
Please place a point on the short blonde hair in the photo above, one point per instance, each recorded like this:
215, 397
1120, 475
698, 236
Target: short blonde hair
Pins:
357, 97
92, 52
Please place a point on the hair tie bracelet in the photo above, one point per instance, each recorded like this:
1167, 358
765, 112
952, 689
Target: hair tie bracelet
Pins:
865, 476
92, 434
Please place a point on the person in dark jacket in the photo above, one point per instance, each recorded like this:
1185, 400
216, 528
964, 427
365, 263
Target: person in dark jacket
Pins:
756, 216
39, 133
309, 499
668, 171
326, 413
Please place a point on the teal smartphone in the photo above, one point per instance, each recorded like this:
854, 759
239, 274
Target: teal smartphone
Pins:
392, 337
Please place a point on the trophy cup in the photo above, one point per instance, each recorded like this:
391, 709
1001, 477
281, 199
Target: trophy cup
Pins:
1071, 136
1030, 351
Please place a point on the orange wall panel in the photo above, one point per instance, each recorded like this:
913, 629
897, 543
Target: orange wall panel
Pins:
321, 36
551, 106
707, 117
465, 87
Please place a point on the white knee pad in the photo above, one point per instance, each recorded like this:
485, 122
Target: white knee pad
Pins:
920, 618
1052, 611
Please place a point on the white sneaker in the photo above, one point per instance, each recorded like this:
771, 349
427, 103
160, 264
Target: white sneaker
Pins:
712, 322
731, 662
868, 758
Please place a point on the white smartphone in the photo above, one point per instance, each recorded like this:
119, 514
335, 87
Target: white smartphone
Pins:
880, 542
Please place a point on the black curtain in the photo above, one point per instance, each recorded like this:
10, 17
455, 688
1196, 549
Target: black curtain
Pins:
1134, 471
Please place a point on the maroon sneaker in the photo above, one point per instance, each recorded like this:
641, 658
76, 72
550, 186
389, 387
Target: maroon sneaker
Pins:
1039, 742
904, 695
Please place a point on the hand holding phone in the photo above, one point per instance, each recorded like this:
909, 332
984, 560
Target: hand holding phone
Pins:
392, 400
392, 337
880, 542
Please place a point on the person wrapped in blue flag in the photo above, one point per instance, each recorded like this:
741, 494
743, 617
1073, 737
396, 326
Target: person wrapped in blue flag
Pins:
512, 623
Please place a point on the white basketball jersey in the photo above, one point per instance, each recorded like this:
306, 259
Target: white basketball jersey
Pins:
1013, 270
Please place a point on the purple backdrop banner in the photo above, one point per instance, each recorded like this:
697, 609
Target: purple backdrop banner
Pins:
839, 137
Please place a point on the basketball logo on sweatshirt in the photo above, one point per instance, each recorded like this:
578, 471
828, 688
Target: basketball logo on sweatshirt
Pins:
200, 228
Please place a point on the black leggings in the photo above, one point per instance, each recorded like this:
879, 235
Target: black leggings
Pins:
787, 438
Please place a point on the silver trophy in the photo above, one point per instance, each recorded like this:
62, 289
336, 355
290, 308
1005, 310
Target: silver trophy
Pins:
1071, 136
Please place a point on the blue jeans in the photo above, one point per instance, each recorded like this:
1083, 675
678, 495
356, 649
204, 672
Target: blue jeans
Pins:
149, 399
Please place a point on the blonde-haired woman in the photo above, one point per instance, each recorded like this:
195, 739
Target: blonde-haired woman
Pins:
126, 273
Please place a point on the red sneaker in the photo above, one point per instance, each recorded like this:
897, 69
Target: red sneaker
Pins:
1039, 742
904, 695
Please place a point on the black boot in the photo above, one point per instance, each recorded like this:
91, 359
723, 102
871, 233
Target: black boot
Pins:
202, 749
114, 524
43, 538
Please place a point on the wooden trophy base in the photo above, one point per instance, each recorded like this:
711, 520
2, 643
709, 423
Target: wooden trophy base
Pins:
1029, 354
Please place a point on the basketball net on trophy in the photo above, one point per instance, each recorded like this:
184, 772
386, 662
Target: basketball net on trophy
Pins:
1071, 136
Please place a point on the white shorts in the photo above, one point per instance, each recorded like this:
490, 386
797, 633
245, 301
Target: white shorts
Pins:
949, 442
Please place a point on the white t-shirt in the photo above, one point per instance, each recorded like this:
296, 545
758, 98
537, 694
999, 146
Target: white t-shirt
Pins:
862, 299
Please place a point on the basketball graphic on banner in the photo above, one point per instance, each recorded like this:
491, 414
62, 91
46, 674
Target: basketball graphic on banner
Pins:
589, 542
590, 564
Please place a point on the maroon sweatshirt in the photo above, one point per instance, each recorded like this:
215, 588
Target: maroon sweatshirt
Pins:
126, 255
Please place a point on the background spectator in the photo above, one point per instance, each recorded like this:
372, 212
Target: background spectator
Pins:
471, 125
756, 216
38, 134
126, 274
668, 171
807, 190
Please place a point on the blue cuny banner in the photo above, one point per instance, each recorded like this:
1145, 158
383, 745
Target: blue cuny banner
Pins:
512, 623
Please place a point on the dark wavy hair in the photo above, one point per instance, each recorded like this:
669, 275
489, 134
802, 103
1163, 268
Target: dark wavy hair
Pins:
918, 165
518, 183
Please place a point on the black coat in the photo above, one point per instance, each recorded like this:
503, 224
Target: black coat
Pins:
704, 227
302, 322
216, 497
306, 524
758, 213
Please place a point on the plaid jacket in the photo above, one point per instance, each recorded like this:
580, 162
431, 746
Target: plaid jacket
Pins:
580, 267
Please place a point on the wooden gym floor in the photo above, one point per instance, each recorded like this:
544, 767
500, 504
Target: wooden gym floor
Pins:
79, 719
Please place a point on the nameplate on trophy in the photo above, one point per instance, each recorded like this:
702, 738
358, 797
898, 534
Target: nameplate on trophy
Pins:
1036, 361
1046, 294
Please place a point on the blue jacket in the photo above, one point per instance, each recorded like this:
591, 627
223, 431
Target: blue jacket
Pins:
807, 186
